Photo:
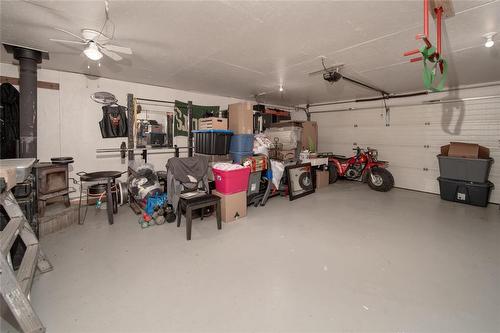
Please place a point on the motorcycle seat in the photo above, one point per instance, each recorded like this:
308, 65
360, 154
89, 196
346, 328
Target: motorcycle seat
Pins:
340, 158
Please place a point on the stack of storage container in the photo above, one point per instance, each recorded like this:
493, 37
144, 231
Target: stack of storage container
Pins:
241, 123
231, 183
212, 140
464, 170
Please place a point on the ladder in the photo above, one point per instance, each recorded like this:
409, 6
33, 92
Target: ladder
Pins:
16, 287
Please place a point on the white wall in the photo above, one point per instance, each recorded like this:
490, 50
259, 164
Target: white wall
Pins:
68, 118
413, 128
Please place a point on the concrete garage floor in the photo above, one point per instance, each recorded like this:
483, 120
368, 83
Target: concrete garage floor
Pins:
344, 259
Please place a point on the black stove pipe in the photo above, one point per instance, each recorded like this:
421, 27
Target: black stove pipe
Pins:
28, 61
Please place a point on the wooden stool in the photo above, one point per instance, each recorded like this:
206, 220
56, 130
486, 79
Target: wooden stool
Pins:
188, 205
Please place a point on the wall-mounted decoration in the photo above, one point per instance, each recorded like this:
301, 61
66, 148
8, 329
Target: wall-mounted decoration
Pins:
180, 121
114, 121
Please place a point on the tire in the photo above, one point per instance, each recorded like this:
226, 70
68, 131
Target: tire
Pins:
333, 175
385, 177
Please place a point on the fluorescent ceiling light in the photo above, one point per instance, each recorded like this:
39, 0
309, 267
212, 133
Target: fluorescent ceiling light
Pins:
489, 39
92, 52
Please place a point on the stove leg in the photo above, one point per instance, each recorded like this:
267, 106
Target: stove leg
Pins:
80, 204
109, 203
114, 195
67, 202
41, 208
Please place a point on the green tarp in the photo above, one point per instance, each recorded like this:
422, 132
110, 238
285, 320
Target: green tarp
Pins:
180, 122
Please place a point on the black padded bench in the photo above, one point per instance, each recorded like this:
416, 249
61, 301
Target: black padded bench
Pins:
199, 202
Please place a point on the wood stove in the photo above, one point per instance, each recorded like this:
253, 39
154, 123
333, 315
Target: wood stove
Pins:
51, 182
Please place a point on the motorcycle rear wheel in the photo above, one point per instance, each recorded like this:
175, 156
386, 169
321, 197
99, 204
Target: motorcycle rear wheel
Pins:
332, 173
383, 182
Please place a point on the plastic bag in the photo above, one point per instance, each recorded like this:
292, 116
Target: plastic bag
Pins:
287, 136
227, 166
277, 168
145, 183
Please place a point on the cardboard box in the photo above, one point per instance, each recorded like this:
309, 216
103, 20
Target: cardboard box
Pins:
322, 178
309, 138
284, 155
233, 206
9, 174
309, 135
212, 123
465, 150
288, 123
240, 118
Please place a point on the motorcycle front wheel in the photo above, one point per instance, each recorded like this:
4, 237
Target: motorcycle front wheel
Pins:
380, 180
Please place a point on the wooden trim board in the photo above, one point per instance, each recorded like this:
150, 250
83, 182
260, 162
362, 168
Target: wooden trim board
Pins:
40, 84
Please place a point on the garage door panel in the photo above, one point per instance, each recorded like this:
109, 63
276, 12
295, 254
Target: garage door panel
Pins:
415, 136
378, 135
415, 179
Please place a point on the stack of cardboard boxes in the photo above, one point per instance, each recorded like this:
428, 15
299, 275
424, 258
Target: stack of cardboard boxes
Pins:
234, 205
241, 124
240, 118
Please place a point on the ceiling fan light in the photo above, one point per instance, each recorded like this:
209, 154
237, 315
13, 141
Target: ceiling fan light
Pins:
489, 43
92, 52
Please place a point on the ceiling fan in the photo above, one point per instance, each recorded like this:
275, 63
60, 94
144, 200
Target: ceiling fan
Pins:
96, 44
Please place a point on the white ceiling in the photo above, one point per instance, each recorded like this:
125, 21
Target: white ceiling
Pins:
240, 49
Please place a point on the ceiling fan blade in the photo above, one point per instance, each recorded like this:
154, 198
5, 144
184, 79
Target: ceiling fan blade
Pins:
112, 55
119, 49
67, 41
72, 34
106, 9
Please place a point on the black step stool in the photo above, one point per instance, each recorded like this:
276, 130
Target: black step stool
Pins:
199, 202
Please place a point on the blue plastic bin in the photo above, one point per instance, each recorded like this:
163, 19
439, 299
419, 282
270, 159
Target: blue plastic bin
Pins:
241, 143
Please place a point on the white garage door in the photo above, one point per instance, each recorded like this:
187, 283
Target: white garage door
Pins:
415, 136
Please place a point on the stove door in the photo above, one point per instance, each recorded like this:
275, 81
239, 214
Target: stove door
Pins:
52, 179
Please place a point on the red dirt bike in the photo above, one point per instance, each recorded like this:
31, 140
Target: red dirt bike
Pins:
363, 166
